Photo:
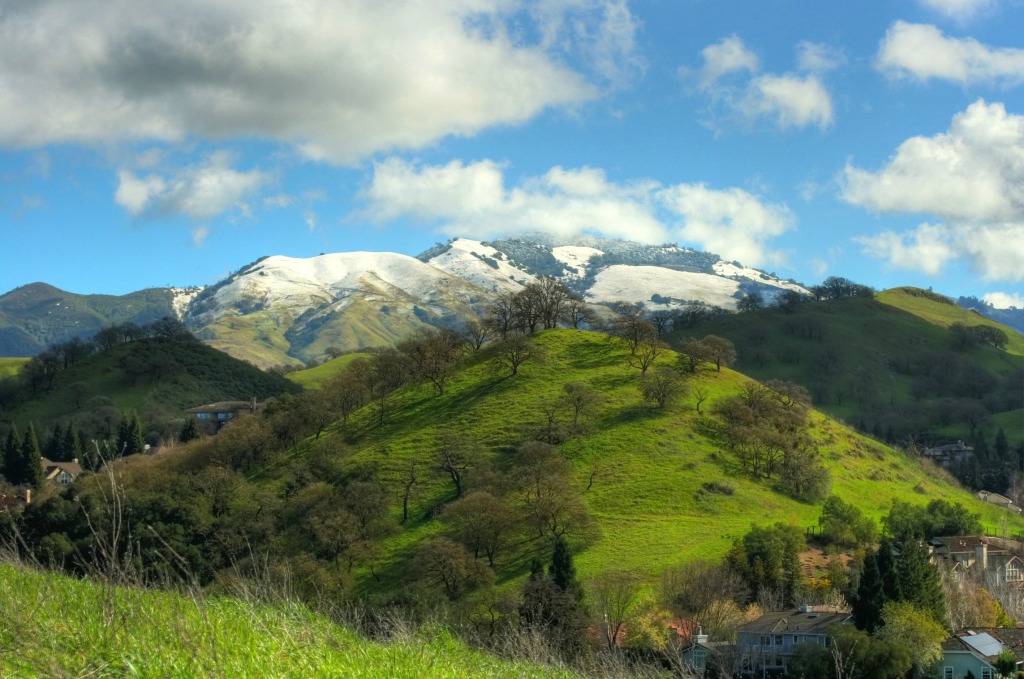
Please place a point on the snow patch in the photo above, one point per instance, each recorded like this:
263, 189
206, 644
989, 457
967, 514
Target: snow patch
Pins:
576, 256
639, 283
481, 265
730, 270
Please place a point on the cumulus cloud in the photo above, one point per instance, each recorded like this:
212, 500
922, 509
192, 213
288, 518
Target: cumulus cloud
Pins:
923, 52
789, 99
198, 192
338, 79
927, 248
473, 200
971, 176
960, 10
1005, 300
793, 101
728, 55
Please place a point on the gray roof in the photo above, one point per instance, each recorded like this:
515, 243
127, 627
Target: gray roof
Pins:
794, 621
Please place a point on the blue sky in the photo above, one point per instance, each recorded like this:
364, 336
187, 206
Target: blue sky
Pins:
170, 143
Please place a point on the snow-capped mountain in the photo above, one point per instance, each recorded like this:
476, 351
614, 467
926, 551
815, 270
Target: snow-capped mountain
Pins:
288, 310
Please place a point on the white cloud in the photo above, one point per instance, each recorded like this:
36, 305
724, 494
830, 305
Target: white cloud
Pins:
793, 101
338, 79
728, 55
975, 171
960, 10
972, 177
473, 200
199, 235
816, 57
732, 223
1005, 300
199, 192
921, 51
927, 248
790, 99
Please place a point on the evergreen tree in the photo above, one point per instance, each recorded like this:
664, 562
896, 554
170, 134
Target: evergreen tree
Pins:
70, 443
562, 571
871, 596
189, 431
10, 460
31, 458
1002, 447
552, 609
52, 447
886, 562
920, 581
129, 434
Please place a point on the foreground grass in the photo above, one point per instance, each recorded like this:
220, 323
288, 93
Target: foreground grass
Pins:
58, 626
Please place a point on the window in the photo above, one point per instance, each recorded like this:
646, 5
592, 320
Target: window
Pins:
778, 639
947, 673
1013, 572
986, 673
766, 640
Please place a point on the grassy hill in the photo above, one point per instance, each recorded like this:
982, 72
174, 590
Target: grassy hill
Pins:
70, 627
34, 316
315, 378
888, 365
9, 367
649, 466
159, 379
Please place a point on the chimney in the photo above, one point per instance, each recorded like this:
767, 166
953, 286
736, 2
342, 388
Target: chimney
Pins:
981, 556
252, 405
700, 637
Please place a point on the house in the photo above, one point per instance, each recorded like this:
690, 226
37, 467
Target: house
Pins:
705, 657
213, 416
765, 645
978, 557
947, 454
972, 653
997, 499
60, 473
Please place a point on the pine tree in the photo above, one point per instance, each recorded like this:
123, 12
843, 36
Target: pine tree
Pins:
129, 434
1002, 447
871, 596
52, 447
920, 581
10, 460
562, 571
887, 569
31, 458
189, 431
70, 443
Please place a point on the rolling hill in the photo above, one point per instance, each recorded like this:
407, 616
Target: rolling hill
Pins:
888, 365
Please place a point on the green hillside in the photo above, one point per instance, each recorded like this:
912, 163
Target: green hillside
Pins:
944, 312
159, 379
35, 316
889, 366
316, 378
650, 464
10, 366
75, 628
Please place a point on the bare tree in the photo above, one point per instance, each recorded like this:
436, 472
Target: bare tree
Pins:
576, 311
663, 386
456, 454
647, 351
615, 594
513, 351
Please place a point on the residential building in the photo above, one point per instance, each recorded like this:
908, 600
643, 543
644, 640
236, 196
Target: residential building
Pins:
948, 454
60, 473
979, 557
213, 416
765, 645
972, 653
